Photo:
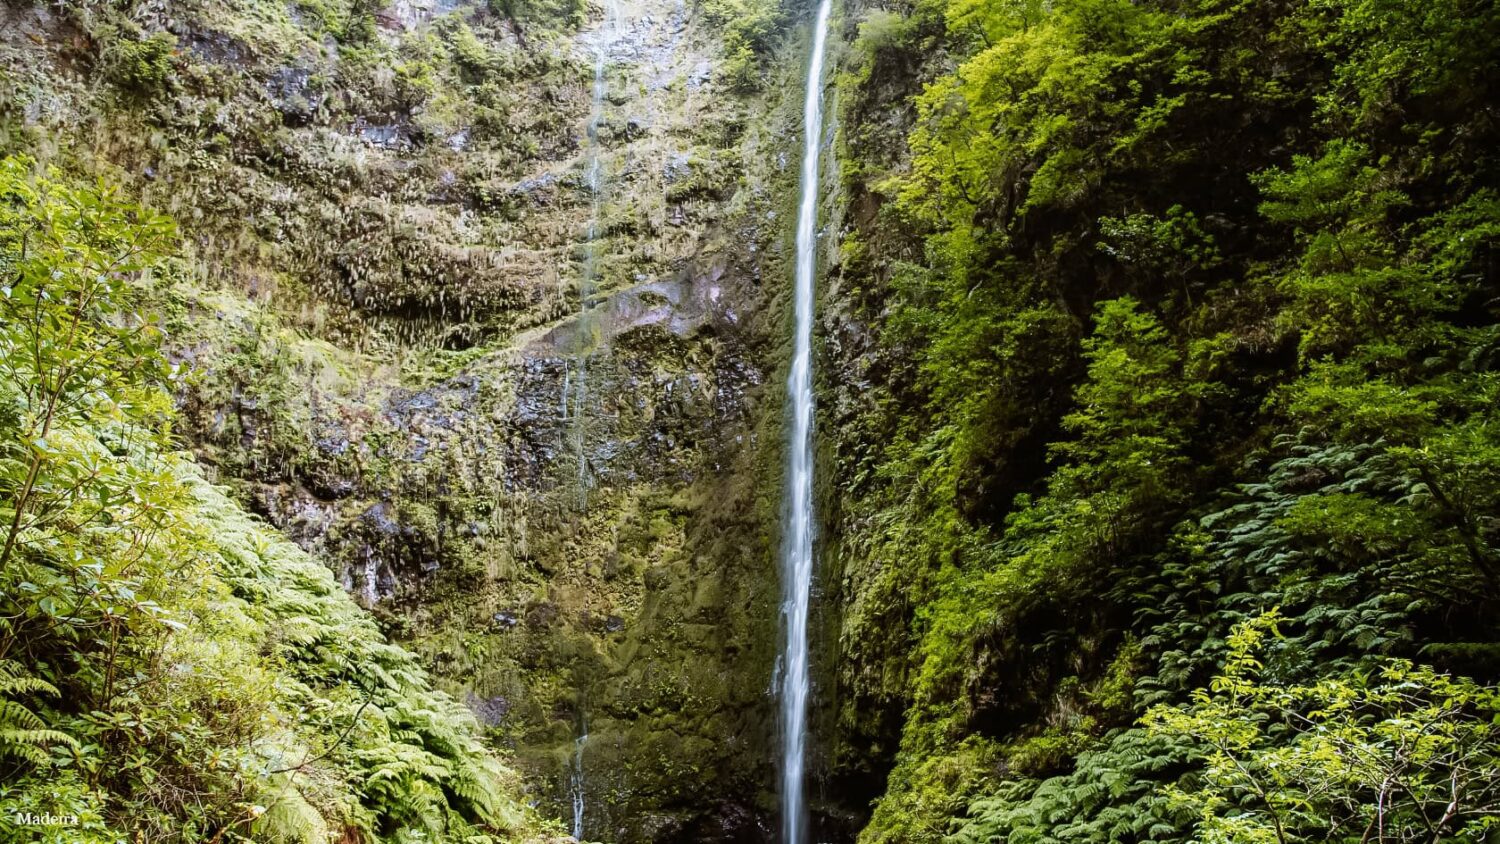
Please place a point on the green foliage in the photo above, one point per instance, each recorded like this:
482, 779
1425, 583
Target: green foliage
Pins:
79, 383
1109, 798
881, 29
473, 56
171, 666
923, 793
23, 734
1286, 396
1175, 247
141, 67
749, 30
548, 14
1124, 462
1397, 754
1394, 56
1134, 409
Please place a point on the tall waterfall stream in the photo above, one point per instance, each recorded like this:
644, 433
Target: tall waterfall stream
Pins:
797, 560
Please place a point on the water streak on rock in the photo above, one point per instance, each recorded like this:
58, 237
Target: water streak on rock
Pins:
604, 40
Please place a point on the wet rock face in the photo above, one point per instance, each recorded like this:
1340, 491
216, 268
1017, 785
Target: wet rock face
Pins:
536, 429
394, 136
216, 47
732, 823
490, 711
432, 415
292, 92
301, 515
403, 15
353, 163
539, 191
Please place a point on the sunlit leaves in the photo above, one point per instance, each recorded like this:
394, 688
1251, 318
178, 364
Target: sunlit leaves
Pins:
1391, 755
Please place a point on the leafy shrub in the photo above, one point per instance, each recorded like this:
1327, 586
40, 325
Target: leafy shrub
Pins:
1399, 754
141, 67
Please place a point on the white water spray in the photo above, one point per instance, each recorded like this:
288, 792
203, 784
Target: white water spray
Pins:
575, 782
797, 561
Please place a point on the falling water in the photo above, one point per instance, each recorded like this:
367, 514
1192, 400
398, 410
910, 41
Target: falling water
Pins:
575, 781
797, 561
595, 177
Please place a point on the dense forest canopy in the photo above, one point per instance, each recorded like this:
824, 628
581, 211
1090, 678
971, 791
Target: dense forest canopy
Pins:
1157, 370
1192, 317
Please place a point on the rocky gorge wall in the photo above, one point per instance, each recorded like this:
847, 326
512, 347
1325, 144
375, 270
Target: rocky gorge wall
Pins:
536, 429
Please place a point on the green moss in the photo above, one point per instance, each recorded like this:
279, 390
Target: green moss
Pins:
142, 67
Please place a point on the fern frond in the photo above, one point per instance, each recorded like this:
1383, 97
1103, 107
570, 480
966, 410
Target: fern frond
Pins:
291, 819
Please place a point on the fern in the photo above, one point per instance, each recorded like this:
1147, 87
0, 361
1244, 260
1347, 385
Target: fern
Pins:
290, 819
1110, 798
23, 734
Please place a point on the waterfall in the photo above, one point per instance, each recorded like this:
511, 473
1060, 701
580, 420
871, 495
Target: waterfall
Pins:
575, 782
797, 551
595, 179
